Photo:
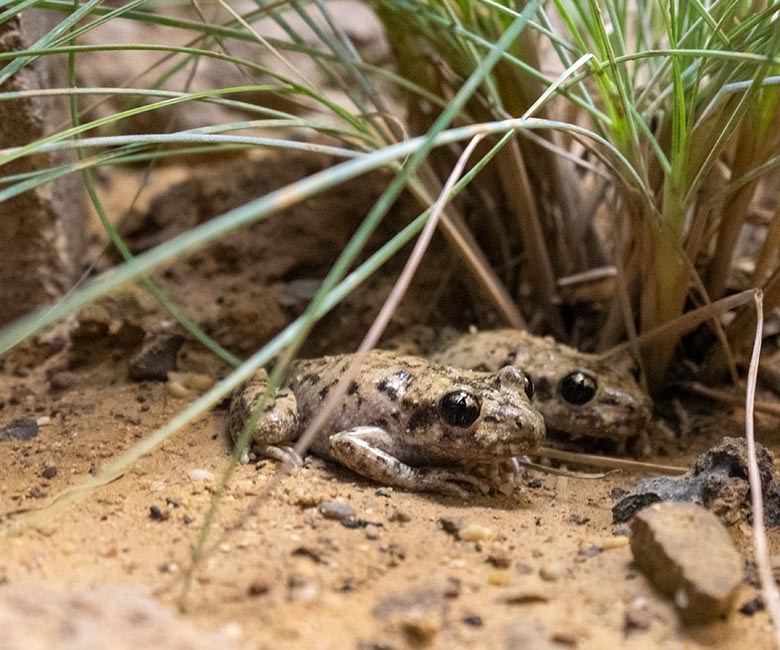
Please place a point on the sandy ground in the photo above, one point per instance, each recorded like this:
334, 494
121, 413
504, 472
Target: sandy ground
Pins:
544, 568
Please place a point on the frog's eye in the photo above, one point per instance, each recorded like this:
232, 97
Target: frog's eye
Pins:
577, 387
459, 408
512, 375
528, 385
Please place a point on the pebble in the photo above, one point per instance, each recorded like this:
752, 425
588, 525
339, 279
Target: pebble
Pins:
475, 533
638, 615
336, 510
372, 532
499, 578
532, 592
62, 380
451, 525
43, 421
687, 553
200, 475
422, 627
175, 389
552, 572
192, 380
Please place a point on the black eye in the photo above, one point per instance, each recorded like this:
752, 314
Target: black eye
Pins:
459, 408
577, 387
528, 386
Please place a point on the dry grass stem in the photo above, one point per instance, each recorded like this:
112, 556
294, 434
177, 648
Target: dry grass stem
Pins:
768, 585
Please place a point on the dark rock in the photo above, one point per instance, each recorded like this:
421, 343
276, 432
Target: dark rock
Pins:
686, 552
155, 514
156, 358
62, 380
718, 481
19, 429
451, 525
752, 606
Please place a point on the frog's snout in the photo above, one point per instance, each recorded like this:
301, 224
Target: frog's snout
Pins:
513, 377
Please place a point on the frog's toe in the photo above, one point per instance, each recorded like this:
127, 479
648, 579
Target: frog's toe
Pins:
290, 458
450, 482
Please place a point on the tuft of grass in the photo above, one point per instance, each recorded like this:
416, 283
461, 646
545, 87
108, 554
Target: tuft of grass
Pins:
685, 98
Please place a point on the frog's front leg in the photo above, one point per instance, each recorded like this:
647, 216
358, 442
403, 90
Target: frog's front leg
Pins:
277, 422
368, 452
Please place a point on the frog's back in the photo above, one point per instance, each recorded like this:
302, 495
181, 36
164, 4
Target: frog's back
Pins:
408, 397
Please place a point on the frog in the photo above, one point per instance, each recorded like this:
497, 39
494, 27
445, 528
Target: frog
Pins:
403, 421
580, 395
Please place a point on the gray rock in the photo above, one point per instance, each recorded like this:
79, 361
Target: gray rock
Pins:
336, 510
686, 552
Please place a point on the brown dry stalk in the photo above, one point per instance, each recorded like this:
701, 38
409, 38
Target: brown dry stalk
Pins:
686, 322
609, 462
769, 408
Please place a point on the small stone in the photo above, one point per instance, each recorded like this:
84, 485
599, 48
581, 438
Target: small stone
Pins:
43, 421
192, 380
452, 587
499, 578
590, 551
155, 514
175, 389
473, 620
499, 558
532, 591
421, 626
687, 553
62, 380
578, 520
523, 569
372, 532
614, 542
49, 473
258, 588
752, 606
451, 525
638, 616
475, 533
201, 475
400, 517
336, 510
552, 572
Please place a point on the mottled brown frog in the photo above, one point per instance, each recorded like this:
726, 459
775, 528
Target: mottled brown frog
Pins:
404, 421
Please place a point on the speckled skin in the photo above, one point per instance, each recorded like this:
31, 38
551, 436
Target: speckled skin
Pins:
390, 425
619, 410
